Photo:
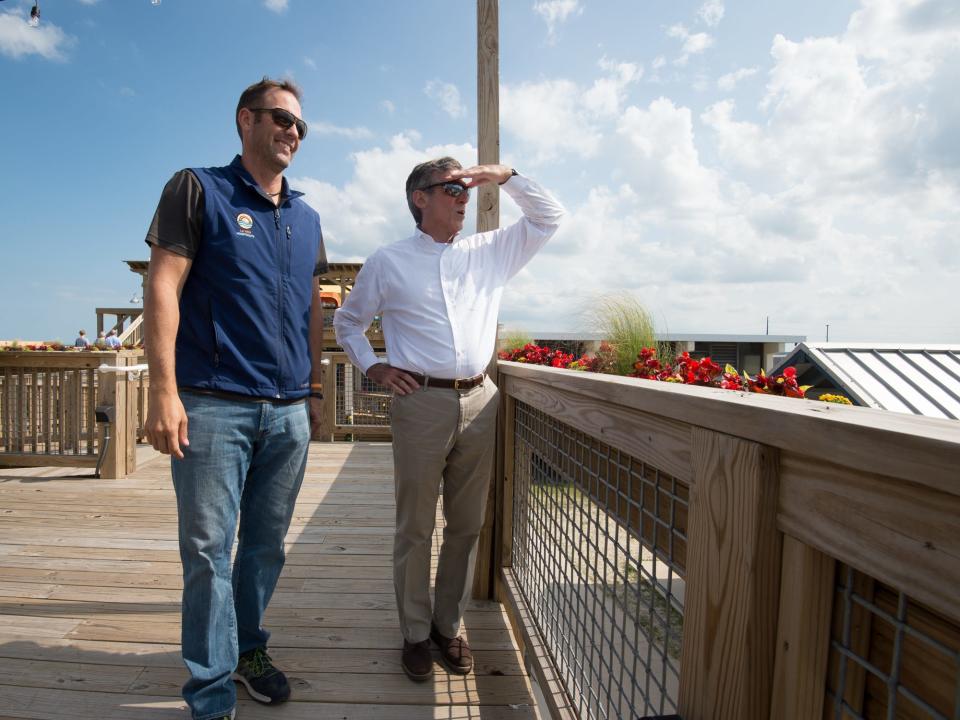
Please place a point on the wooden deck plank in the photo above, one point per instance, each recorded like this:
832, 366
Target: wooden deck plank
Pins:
444, 689
281, 636
143, 653
291, 617
90, 584
44, 704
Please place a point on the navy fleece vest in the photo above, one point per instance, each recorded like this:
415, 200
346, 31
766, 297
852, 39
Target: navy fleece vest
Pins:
245, 306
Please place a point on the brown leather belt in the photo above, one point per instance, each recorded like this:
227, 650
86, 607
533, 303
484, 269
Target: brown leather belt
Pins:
447, 383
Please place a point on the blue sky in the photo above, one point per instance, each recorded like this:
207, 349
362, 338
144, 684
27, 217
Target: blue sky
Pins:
721, 161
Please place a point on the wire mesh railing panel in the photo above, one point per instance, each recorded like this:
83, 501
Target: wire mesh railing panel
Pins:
890, 656
361, 401
599, 552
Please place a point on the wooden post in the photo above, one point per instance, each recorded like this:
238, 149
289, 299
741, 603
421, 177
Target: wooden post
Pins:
733, 580
488, 218
329, 398
61, 410
130, 425
488, 109
803, 633
21, 418
90, 402
503, 549
112, 392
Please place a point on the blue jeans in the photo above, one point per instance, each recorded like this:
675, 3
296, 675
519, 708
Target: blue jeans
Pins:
246, 460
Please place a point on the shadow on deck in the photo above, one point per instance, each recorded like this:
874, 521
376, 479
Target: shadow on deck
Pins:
90, 596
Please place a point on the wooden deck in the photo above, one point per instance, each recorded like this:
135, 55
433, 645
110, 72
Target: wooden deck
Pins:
90, 596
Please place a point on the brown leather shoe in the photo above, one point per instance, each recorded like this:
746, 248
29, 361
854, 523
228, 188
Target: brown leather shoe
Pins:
417, 660
454, 652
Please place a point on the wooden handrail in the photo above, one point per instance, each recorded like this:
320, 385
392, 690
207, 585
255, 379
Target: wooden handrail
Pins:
134, 332
780, 491
908, 447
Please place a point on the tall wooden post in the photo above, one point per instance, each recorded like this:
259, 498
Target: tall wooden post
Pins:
488, 109
488, 218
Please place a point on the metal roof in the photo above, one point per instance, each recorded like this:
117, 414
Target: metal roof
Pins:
917, 379
678, 337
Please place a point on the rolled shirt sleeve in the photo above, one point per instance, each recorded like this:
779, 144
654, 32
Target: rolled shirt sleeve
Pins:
362, 305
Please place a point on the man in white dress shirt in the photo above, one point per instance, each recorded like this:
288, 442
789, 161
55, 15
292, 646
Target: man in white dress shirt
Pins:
438, 295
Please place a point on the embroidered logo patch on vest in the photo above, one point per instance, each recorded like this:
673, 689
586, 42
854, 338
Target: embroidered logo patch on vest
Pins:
246, 223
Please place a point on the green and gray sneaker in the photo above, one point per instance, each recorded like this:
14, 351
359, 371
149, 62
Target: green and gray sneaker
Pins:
264, 682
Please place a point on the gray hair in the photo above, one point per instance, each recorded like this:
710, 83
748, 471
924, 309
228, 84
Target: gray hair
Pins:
422, 175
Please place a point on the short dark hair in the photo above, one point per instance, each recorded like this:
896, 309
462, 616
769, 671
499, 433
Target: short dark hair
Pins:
422, 175
253, 96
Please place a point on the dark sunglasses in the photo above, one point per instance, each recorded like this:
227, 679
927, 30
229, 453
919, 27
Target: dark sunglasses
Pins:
453, 189
284, 119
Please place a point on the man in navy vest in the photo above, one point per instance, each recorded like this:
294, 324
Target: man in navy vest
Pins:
233, 337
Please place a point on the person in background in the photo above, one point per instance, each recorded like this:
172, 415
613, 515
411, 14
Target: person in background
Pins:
82, 341
439, 295
113, 340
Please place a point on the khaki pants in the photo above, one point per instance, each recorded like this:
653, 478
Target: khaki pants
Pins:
448, 434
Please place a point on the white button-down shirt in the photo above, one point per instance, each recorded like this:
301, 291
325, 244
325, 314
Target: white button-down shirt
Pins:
439, 301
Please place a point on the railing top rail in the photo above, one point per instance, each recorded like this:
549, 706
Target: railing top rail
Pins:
920, 449
118, 310
132, 328
63, 358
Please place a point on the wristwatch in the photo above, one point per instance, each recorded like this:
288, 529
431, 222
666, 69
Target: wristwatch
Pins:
513, 172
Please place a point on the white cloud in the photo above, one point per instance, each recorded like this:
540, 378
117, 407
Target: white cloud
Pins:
351, 133
555, 13
556, 117
666, 164
549, 119
658, 62
277, 6
711, 12
310, 63
908, 39
606, 95
729, 81
448, 97
388, 107
17, 39
693, 43
837, 199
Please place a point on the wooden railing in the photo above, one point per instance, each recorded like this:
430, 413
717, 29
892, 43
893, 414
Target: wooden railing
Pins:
122, 315
677, 550
48, 406
354, 406
133, 335
671, 551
